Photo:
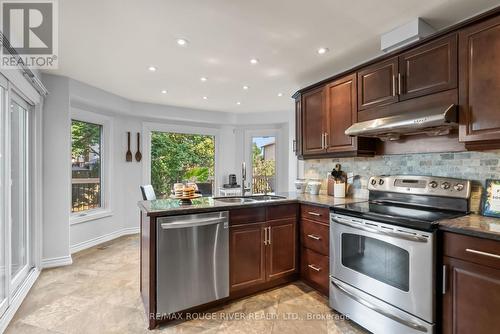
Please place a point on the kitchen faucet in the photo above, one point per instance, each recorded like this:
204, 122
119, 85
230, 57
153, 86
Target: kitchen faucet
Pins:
243, 177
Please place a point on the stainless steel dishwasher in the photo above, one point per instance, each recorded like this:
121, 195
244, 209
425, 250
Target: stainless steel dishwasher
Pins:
192, 260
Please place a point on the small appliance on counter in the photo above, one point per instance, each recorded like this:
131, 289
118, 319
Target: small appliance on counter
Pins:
232, 182
314, 186
301, 185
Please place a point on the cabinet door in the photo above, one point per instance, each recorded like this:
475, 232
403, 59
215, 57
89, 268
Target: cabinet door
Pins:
298, 128
342, 110
472, 298
428, 69
313, 119
247, 253
479, 57
377, 84
282, 248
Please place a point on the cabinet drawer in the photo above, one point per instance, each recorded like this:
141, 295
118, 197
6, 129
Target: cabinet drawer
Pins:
247, 215
315, 269
282, 211
477, 250
317, 213
315, 236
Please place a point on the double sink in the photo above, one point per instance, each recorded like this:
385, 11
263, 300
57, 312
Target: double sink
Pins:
249, 199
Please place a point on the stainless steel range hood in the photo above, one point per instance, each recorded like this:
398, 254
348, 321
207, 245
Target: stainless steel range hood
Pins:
434, 122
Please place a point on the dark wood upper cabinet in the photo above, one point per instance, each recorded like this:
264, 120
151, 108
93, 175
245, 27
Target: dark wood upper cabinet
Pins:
247, 255
313, 121
472, 300
479, 87
377, 84
428, 69
282, 248
341, 113
297, 144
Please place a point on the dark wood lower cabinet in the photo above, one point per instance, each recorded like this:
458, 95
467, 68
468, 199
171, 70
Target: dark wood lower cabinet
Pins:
314, 269
472, 299
264, 252
282, 249
247, 255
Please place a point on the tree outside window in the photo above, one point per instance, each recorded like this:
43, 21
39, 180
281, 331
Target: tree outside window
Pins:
178, 157
85, 165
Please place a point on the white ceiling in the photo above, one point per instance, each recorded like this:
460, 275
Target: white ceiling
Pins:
110, 44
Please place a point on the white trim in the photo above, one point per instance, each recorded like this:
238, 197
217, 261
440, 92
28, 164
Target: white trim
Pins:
57, 262
89, 215
103, 238
148, 127
18, 298
106, 163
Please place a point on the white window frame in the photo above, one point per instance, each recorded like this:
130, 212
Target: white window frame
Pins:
148, 128
18, 279
106, 166
249, 134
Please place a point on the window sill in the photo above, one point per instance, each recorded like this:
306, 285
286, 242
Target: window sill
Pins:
89, 215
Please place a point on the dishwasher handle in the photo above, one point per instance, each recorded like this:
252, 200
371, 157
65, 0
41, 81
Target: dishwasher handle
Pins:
193, 223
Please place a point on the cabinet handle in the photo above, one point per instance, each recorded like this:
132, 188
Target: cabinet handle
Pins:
313, 267
265, 235
315, 237
468, 250
393, 85
294, 145
269, 235
322, 141
326, 140
399, 83
314, 213
444, 279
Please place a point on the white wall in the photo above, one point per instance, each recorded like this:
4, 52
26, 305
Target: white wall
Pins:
56, 192
66, 95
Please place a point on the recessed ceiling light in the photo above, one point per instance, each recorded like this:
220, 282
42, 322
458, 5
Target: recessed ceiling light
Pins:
205, 97
152, 68
254, 61
203, 79
164, 91
238, 103
280, 94
322, 51
182, 41
245, 87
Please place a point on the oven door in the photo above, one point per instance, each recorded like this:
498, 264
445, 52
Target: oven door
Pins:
392, 263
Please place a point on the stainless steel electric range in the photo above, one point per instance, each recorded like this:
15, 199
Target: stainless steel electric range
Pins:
383, 251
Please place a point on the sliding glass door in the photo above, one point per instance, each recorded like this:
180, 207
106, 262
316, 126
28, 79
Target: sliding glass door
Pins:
19, 190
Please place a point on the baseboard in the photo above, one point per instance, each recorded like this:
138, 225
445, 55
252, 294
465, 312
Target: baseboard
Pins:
18, 298
103, 238
57, 262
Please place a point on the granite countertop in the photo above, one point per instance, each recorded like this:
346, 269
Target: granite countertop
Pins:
474, 225
169, 206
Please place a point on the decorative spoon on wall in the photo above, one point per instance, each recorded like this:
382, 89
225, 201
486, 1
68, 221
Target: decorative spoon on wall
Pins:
128, 156
138, 155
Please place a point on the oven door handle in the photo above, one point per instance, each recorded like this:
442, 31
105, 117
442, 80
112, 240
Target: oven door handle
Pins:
386, 313
363, 227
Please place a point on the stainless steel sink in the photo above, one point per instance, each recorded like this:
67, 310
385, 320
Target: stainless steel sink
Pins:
249, 199
235, 199
266, 197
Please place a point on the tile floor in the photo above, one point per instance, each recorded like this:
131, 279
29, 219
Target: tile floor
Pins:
99, 293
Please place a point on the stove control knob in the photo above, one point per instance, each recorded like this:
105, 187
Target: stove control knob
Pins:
373, 182
458, 187
445, 185
381, 182
433, 184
